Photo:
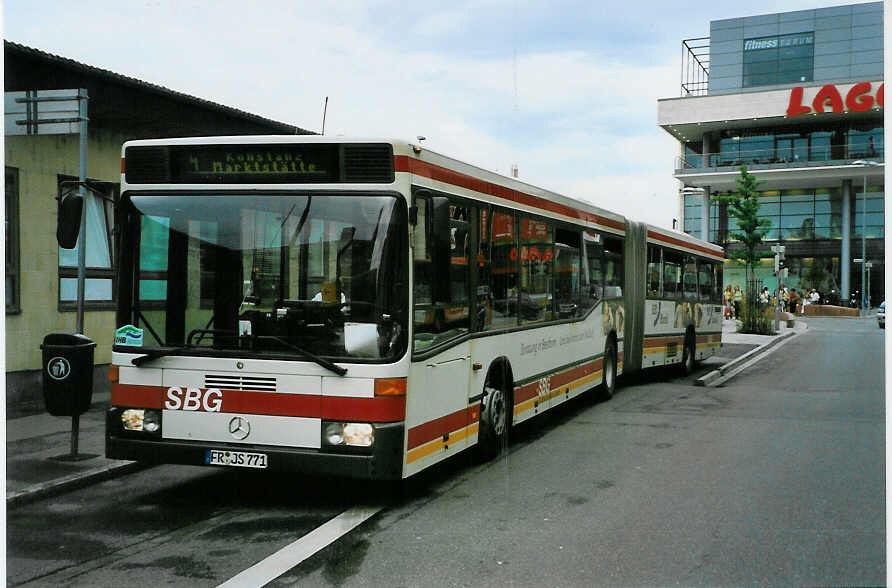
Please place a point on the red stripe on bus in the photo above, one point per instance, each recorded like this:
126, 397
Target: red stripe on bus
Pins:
137, 396
404, 163
525, 392
436, 428
381, 409
531, 389
660, 341
576, 373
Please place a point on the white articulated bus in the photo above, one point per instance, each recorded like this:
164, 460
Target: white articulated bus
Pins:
368, 308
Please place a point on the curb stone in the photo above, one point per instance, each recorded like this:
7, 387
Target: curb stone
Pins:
72, 482
731, 368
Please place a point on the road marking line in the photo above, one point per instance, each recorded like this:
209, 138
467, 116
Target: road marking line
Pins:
269, 569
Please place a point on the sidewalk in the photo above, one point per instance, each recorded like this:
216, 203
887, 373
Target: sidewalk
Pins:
38, 447
744, 350
38, 454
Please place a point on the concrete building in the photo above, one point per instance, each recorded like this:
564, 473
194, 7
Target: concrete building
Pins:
41, 277
797, 97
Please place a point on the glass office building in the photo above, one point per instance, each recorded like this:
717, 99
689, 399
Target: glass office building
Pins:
796, 97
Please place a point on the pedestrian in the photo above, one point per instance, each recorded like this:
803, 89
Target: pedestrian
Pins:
815, 296
727, 297
738, 300
764, 296
785, 296
794, 300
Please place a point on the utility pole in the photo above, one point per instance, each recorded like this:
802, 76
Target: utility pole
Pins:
780, 272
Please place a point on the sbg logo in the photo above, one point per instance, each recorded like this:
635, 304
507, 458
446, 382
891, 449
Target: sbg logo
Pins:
193, 399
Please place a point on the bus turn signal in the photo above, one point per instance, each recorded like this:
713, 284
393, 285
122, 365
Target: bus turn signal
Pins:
390, 387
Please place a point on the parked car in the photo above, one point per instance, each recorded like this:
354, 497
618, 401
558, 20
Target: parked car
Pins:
881, 315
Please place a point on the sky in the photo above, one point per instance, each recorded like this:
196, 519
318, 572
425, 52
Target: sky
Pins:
565, 90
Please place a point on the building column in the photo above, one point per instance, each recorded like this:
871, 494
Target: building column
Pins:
704, 215
845, 254
707, 148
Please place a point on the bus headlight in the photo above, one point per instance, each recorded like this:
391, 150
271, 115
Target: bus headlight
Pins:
348, 434
139, 419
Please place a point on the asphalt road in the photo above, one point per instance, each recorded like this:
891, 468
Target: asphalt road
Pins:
775, 478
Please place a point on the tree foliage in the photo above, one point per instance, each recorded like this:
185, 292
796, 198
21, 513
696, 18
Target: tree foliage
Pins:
744, 207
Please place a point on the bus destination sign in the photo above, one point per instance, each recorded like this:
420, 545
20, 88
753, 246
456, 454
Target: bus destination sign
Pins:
201, 164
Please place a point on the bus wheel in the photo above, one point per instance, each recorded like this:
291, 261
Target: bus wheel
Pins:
493, 437
688, 355
608, 372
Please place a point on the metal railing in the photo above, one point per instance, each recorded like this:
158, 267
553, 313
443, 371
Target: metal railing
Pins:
784, 157
695, 66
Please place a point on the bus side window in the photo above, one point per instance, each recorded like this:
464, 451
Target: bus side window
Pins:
484, 269
613, 268
503, 276
654, 269
719, 280
671, 275
592, 264
705, 280
536, 257
567, 274
436, 321
690, 278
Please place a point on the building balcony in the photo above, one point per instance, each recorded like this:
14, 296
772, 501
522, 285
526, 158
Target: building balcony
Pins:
790, 167
788, 157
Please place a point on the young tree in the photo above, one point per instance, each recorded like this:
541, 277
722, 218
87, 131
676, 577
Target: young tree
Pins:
744, 206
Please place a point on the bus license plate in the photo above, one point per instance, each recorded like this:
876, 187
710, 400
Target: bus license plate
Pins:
239, 459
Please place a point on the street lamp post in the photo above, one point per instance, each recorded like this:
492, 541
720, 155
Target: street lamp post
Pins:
864, 163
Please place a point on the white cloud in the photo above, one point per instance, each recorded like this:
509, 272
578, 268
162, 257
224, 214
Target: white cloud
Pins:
583, 121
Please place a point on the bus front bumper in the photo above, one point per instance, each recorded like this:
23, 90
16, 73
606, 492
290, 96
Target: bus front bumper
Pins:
384, 462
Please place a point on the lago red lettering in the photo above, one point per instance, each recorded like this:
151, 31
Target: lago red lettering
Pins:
858, 99
828, 95
829, 99
795, 108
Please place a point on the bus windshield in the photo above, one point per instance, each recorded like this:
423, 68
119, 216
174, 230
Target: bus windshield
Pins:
269, 275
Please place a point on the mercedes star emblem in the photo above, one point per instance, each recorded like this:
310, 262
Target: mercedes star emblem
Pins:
239, 428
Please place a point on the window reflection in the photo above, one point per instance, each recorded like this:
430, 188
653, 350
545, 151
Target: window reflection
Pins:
802, 215
830, 142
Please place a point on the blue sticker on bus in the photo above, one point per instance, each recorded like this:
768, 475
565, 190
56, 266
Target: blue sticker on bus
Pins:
129, 335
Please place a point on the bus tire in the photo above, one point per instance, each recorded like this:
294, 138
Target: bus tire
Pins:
607, 388
688, 356
494, 421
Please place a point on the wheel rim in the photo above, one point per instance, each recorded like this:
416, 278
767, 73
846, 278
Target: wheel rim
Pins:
495, 410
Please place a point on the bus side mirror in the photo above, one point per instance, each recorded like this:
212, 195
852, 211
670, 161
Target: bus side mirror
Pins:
441, 248
68, 224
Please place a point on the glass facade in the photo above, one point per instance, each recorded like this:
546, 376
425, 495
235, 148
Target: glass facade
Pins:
809, 223
790, 145
797, 215
693, 208
778, 59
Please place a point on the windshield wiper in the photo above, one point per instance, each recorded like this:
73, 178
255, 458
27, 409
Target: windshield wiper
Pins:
156, 353
321, 361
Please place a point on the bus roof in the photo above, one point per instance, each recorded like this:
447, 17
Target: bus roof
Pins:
435, 168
